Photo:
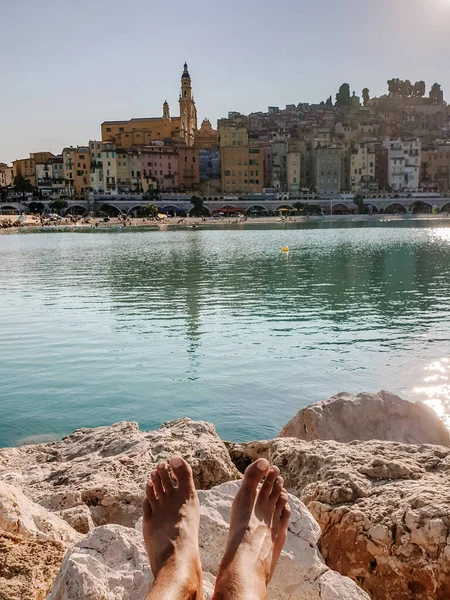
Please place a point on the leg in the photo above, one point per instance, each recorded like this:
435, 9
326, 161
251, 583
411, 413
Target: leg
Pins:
258, 529
171, 522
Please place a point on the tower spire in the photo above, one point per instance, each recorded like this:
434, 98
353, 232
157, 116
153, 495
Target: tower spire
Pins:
188, 112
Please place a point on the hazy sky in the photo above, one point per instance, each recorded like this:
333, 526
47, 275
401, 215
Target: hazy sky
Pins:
68, 65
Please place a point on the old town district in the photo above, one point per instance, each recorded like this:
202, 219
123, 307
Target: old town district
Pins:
394, 147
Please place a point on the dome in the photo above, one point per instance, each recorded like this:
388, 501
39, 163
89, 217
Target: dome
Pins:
185, 72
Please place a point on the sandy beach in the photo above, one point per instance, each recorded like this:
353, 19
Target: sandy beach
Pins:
33, 224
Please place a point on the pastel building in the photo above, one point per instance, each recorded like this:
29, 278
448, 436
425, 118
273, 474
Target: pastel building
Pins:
403, 163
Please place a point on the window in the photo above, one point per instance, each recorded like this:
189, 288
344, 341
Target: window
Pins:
108, 129
121, 129
138, 173
107, 155
109, 163
132, 173
227, 173
193, 159
113, 154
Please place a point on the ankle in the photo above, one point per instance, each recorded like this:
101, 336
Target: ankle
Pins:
240, 572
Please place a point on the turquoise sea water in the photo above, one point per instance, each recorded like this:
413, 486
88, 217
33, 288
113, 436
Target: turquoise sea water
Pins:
217, 324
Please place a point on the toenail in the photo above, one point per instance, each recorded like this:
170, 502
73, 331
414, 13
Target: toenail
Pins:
280, 480
176, 462
155, 473
261, 465
161, 465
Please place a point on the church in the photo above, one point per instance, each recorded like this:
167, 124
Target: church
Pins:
180, 130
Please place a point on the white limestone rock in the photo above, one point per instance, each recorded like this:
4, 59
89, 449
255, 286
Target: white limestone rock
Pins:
110, 564
383, 416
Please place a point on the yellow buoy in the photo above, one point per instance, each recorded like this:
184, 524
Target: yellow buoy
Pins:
285, 249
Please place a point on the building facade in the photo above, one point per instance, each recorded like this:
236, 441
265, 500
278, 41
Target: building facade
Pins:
403, 164
327, 168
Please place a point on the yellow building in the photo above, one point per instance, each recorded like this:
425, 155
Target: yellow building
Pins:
241, 164
142, 131
294, 152
77, 170
6, 175
27, 166
362, 165
206, 138
233, 136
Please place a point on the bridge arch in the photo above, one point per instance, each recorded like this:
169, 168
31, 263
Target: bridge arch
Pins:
421, 207
284, 208
229, 209
134, 210
6, 209
110, 210
76, 209
257, 209
395, 208
206, 211
341, 209
446, 208
172, 208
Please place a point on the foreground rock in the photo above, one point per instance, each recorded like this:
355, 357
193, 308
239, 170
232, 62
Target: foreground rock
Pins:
106, 469
110, 564
383, 416
33, 542
383, 507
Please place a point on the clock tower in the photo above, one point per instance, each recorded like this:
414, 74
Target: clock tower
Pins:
188, 112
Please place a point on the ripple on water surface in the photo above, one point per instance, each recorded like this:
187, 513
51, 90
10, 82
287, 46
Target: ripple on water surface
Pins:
218, 325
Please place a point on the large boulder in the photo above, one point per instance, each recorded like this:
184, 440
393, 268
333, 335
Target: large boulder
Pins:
110, 564
33, 542
383, 416
383, 508
106, 469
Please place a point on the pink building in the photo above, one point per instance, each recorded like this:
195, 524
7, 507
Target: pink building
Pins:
159, 163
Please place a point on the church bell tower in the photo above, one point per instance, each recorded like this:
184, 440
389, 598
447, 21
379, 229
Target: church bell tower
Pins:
188, 112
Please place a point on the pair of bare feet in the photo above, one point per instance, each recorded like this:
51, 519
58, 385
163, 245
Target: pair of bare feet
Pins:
258, 528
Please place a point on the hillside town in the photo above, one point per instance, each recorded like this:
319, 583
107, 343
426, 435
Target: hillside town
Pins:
393, 146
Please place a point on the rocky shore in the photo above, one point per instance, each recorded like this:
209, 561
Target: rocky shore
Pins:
369, 484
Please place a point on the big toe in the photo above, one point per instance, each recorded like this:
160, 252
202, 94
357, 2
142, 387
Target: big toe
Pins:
182, 472
254, 474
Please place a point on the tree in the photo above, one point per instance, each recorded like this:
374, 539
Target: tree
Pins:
407, 89
365, 96
343, 96
299, 206
58, 205
419, 89
22, 186
36, 208
198, 209
396, 87
436, 94
329, 101
148, 211
360, 204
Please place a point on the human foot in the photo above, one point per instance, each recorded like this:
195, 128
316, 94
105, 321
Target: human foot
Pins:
258, 529
170, 527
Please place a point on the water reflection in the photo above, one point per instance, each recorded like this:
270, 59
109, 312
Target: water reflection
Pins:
218, 325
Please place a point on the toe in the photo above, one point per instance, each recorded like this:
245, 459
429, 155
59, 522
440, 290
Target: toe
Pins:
157, 484
285, 516
183, 474
164, 475
280, 505
268, 483
276, 490
254, 474
151, 496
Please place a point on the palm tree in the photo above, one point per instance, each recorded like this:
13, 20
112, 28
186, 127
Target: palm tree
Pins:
22, 185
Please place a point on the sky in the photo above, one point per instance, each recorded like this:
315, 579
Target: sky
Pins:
68, 65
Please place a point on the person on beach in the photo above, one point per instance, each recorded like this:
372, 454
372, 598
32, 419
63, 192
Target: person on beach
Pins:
258, 528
